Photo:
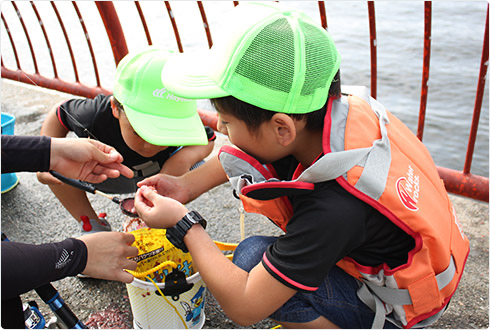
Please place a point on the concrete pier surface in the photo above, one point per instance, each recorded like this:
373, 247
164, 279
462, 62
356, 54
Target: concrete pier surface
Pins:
30, 213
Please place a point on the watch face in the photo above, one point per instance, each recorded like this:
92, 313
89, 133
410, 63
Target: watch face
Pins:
195, 218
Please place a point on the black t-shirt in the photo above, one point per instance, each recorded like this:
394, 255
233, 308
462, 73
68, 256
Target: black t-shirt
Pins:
94, 118
327, 225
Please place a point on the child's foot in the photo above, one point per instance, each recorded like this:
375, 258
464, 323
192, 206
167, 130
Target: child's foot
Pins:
90, 226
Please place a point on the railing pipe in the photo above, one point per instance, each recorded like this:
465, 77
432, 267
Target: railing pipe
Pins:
426, 68
468, 185
34, 61
89, 42
74, 88
209, 118
478, 101
174, 26
373, 42
113, 28
143, 21
48, 44
205, 23
323, 14
11, 42
68, 43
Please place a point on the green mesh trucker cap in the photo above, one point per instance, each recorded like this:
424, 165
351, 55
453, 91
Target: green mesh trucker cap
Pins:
270, 56
158, 116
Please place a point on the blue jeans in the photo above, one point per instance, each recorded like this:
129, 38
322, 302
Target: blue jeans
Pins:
336, 298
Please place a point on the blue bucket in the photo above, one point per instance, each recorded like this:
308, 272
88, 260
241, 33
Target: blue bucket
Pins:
9, 180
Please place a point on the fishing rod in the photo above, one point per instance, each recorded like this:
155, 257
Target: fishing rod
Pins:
126, 204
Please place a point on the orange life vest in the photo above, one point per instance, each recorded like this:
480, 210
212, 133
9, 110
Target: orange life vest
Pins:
375, 157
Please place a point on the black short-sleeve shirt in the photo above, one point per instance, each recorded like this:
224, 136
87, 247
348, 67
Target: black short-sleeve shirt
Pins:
327, 225
94, 118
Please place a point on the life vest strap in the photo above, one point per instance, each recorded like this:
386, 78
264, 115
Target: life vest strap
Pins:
376, 305
375, 296
375, 159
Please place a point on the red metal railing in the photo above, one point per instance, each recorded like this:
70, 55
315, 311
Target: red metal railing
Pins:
459, 182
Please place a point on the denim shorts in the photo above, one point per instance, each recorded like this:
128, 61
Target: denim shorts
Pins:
336, 298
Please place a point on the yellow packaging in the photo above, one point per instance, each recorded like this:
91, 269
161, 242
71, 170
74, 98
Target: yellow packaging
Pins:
154, 249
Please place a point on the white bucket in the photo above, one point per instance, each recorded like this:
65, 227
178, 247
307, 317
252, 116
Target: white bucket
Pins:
152, 311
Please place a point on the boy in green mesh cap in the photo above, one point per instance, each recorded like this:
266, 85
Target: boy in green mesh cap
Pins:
154, 130
321, 166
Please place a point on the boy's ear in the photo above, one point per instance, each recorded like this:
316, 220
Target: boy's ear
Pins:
115, 110
284, 128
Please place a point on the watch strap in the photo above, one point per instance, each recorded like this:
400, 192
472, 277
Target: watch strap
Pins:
176, 233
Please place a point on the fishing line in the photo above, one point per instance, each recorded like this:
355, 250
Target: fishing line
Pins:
78, 123
168, 302
126, 204
66, 112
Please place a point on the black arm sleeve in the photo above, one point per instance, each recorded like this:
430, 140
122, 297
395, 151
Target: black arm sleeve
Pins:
25, 153
28, 266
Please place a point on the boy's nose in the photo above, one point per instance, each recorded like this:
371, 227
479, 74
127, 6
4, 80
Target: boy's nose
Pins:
221, 128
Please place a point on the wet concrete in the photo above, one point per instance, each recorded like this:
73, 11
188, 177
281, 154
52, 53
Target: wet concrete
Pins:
31, 214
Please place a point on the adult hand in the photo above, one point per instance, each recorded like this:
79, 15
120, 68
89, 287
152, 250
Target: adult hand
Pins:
86, 159
108, 254
167, 185
158, 211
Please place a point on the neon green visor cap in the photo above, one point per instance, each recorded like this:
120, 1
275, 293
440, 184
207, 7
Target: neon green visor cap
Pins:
271, 56
158, 116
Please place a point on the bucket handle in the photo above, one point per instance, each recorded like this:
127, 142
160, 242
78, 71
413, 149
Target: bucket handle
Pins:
223, 246
173, 279
142, 275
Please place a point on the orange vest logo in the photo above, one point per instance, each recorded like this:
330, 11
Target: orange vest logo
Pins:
408, 190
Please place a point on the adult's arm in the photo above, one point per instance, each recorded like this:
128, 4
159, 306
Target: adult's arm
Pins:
101, 255
25, 153
83, 159
28, 266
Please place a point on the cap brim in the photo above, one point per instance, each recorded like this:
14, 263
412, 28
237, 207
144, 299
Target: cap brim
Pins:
164, 131
190, 76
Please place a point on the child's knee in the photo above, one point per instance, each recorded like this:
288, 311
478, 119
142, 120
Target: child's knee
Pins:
249, 252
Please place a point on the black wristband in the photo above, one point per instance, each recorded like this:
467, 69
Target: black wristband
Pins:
176, 234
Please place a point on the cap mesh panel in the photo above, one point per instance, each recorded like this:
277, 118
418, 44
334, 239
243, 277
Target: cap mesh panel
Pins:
269, 60
320, 59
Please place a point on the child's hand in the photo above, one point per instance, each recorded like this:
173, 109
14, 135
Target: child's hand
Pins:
167, 185
47, 178
156, 210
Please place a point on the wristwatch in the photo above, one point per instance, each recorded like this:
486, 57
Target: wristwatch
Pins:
176, 234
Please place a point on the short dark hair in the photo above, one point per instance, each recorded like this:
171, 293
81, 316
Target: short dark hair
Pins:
118, 104
254, 116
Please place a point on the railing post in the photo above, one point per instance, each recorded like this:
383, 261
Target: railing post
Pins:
478, 101
426, 68
373, 43
113, 29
